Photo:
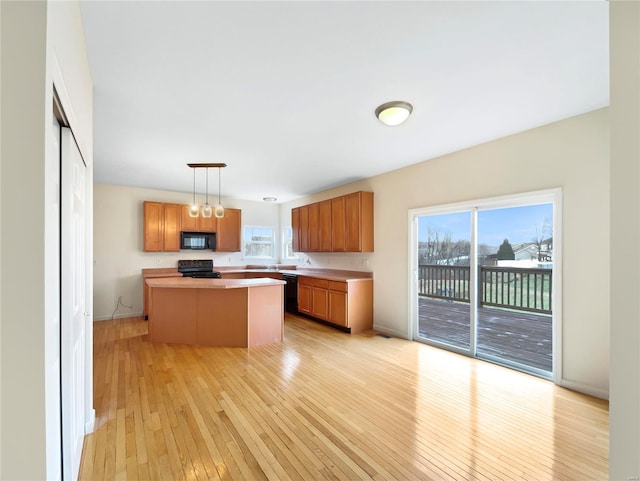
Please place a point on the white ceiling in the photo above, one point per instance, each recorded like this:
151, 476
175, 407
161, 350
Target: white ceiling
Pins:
285, 92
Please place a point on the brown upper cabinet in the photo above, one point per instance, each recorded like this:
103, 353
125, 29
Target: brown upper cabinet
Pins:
162, 226
197, 224
324, 220
314, 227
228, 233
163, 223
304, 229
295, 228
341, 224
359, 222
337, 225
153, 227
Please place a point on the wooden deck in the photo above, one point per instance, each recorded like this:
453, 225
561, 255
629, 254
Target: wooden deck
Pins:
519, 337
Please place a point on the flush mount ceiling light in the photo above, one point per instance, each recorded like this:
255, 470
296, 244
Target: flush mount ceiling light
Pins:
269, 199
207, 210
394, 113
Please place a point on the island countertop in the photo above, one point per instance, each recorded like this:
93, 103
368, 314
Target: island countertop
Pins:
199, 283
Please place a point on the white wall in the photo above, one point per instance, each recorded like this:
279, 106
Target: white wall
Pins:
118, 254
571, 154
624, 458
42, 43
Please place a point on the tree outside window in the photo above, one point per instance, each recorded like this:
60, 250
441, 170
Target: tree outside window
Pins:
258, 242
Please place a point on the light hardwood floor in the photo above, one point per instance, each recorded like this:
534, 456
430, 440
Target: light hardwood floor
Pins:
327, 405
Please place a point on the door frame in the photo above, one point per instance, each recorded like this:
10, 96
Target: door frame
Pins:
553, 196
63, 111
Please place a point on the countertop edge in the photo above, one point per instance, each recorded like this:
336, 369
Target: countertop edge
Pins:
192, 283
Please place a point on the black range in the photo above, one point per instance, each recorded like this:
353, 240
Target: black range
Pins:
201, 268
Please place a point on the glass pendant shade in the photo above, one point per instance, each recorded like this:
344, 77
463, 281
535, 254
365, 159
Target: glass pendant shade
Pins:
219, 211
207, 211
194, 210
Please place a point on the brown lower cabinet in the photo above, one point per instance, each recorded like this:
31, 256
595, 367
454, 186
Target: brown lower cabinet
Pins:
347, 304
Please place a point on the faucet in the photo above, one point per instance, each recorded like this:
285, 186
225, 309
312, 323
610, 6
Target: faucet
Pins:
272, 267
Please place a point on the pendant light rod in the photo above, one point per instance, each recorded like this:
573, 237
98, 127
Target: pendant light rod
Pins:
207, 210
194, 186
206, 192
194, 209
219, 186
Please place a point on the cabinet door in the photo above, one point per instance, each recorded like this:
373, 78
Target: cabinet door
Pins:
338, 308
304, 297
152, 234
359, 222
338, 225
304, 228
188, 223
197, 224
324, 220
295, 228
314, 227
352, 222
172, 218
232, 275
228, 232
207, 224
319, 302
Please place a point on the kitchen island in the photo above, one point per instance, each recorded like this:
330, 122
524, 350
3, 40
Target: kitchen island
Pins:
215, 312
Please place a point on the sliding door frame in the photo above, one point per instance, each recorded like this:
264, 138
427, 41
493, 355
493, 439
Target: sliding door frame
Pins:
553, 196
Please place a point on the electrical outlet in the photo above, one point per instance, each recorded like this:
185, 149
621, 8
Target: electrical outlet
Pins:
157, 260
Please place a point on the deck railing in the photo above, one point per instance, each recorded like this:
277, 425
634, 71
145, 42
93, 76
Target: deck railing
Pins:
505, 287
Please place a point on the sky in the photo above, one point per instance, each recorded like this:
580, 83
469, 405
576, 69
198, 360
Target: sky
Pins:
518, 224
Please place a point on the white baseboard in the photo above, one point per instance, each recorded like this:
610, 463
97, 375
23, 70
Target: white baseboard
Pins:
90, 423
118, 316
390, 331
585, 389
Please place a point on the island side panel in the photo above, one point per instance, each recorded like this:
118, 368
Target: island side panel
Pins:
173, 315
360, 305
266, 315
222, 317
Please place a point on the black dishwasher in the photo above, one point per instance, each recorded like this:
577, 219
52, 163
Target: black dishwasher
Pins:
291, 293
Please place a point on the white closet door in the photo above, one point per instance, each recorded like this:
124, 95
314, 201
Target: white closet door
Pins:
74, 315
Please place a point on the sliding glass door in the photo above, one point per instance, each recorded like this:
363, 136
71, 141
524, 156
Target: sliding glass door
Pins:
444, 243
484, 279
515, 270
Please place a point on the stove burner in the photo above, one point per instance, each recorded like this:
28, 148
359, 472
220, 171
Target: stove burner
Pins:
201, 268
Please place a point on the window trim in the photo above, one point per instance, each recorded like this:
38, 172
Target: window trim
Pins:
287, 233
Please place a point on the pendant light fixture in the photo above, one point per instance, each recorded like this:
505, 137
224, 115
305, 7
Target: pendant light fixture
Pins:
207, 210
394, 113
219, 210
194, 209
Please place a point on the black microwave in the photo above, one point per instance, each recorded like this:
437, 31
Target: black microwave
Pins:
198, 240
